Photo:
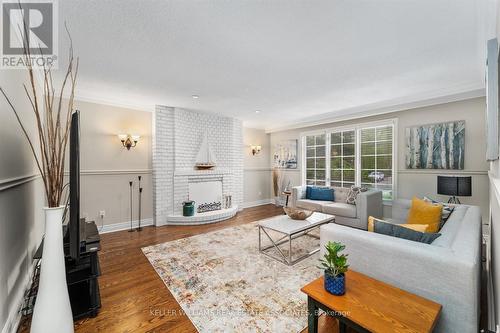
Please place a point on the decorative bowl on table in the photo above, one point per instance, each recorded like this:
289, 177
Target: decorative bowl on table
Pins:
297, 214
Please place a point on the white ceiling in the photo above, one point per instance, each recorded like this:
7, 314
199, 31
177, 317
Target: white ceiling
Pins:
296, 61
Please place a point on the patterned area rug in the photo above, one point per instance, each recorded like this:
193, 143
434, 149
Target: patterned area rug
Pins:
224, 284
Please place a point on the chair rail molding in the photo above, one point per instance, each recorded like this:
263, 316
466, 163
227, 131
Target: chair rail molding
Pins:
114, 172
17, 181
443, 172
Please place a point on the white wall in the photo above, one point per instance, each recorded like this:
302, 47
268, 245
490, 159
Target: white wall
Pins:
423, 182
494, 239
21, 200
257, 168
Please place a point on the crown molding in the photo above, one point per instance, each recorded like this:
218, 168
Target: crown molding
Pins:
456, 94
88, 98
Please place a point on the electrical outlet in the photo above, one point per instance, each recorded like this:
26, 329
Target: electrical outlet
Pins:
102, 214
260, 193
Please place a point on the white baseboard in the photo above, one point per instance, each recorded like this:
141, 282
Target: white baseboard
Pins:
257, 203
14, 318
124, 225
147, 222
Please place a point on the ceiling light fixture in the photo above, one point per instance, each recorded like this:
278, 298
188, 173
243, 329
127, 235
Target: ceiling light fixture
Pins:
195, 96
257, 111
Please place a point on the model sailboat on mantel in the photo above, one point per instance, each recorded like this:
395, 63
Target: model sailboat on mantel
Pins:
205, 158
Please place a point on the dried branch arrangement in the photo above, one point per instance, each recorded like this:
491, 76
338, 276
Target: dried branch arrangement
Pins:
276, 177
53, 121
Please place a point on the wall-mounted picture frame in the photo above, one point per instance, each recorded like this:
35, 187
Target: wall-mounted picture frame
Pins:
285, 154
492, 101
436, 146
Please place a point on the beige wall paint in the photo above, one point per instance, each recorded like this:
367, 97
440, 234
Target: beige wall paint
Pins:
423, 182
257, 171
21, 200
107, 167
493, 243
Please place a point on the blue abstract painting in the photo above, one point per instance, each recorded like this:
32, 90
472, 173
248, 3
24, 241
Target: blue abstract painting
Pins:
436, 146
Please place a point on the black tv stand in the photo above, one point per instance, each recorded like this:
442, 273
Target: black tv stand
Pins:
82, 275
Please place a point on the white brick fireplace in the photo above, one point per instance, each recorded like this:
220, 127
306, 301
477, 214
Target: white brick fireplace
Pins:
176, 143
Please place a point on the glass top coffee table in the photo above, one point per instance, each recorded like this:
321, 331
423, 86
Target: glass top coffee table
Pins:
289, 230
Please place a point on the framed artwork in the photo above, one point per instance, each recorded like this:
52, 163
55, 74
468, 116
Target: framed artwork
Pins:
285, 154
436, 146
492, 101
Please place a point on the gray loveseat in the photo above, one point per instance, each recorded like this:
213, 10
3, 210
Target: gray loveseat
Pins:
446, 271
368, 203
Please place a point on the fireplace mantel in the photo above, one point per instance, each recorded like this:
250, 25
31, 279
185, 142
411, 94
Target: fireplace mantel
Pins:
193, 172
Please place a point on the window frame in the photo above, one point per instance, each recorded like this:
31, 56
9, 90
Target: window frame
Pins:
304, 157
342, 130
357, 158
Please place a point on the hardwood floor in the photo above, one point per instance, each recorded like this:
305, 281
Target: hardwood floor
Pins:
134, 298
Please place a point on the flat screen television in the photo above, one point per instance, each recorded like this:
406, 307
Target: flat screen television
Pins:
73, 229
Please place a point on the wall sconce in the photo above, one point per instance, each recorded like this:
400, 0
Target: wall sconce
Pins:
129, 141
256, 150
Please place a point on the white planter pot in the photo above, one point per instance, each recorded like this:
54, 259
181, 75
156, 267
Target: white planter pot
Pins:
52, 311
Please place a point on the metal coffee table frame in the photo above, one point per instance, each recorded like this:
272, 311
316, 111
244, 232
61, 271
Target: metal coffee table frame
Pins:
288, 237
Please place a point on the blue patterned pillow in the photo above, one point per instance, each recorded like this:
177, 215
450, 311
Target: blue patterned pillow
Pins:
320, 193
395, 230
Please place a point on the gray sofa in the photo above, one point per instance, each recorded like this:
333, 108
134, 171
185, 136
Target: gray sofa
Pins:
368, 203
446, 271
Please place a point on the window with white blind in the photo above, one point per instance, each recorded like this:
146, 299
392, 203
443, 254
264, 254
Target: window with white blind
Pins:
315, 159
343, 158
360, 155
376, 159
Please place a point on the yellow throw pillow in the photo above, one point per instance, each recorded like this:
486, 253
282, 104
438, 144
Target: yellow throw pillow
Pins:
416, 227
422, 212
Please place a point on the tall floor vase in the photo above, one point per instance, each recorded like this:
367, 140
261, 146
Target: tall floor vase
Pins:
52, 311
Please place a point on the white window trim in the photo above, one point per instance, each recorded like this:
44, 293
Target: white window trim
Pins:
356, 127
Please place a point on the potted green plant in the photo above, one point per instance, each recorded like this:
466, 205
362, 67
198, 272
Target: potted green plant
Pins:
334, 265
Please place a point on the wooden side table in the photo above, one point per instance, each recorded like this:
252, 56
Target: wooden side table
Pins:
370, 305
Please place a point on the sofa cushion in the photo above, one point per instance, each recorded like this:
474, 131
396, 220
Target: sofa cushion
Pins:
399, 231
422, 212
447, 210
353, 193
341, 194
314, 205
340, 208
451, 227
416, 227
320, 193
